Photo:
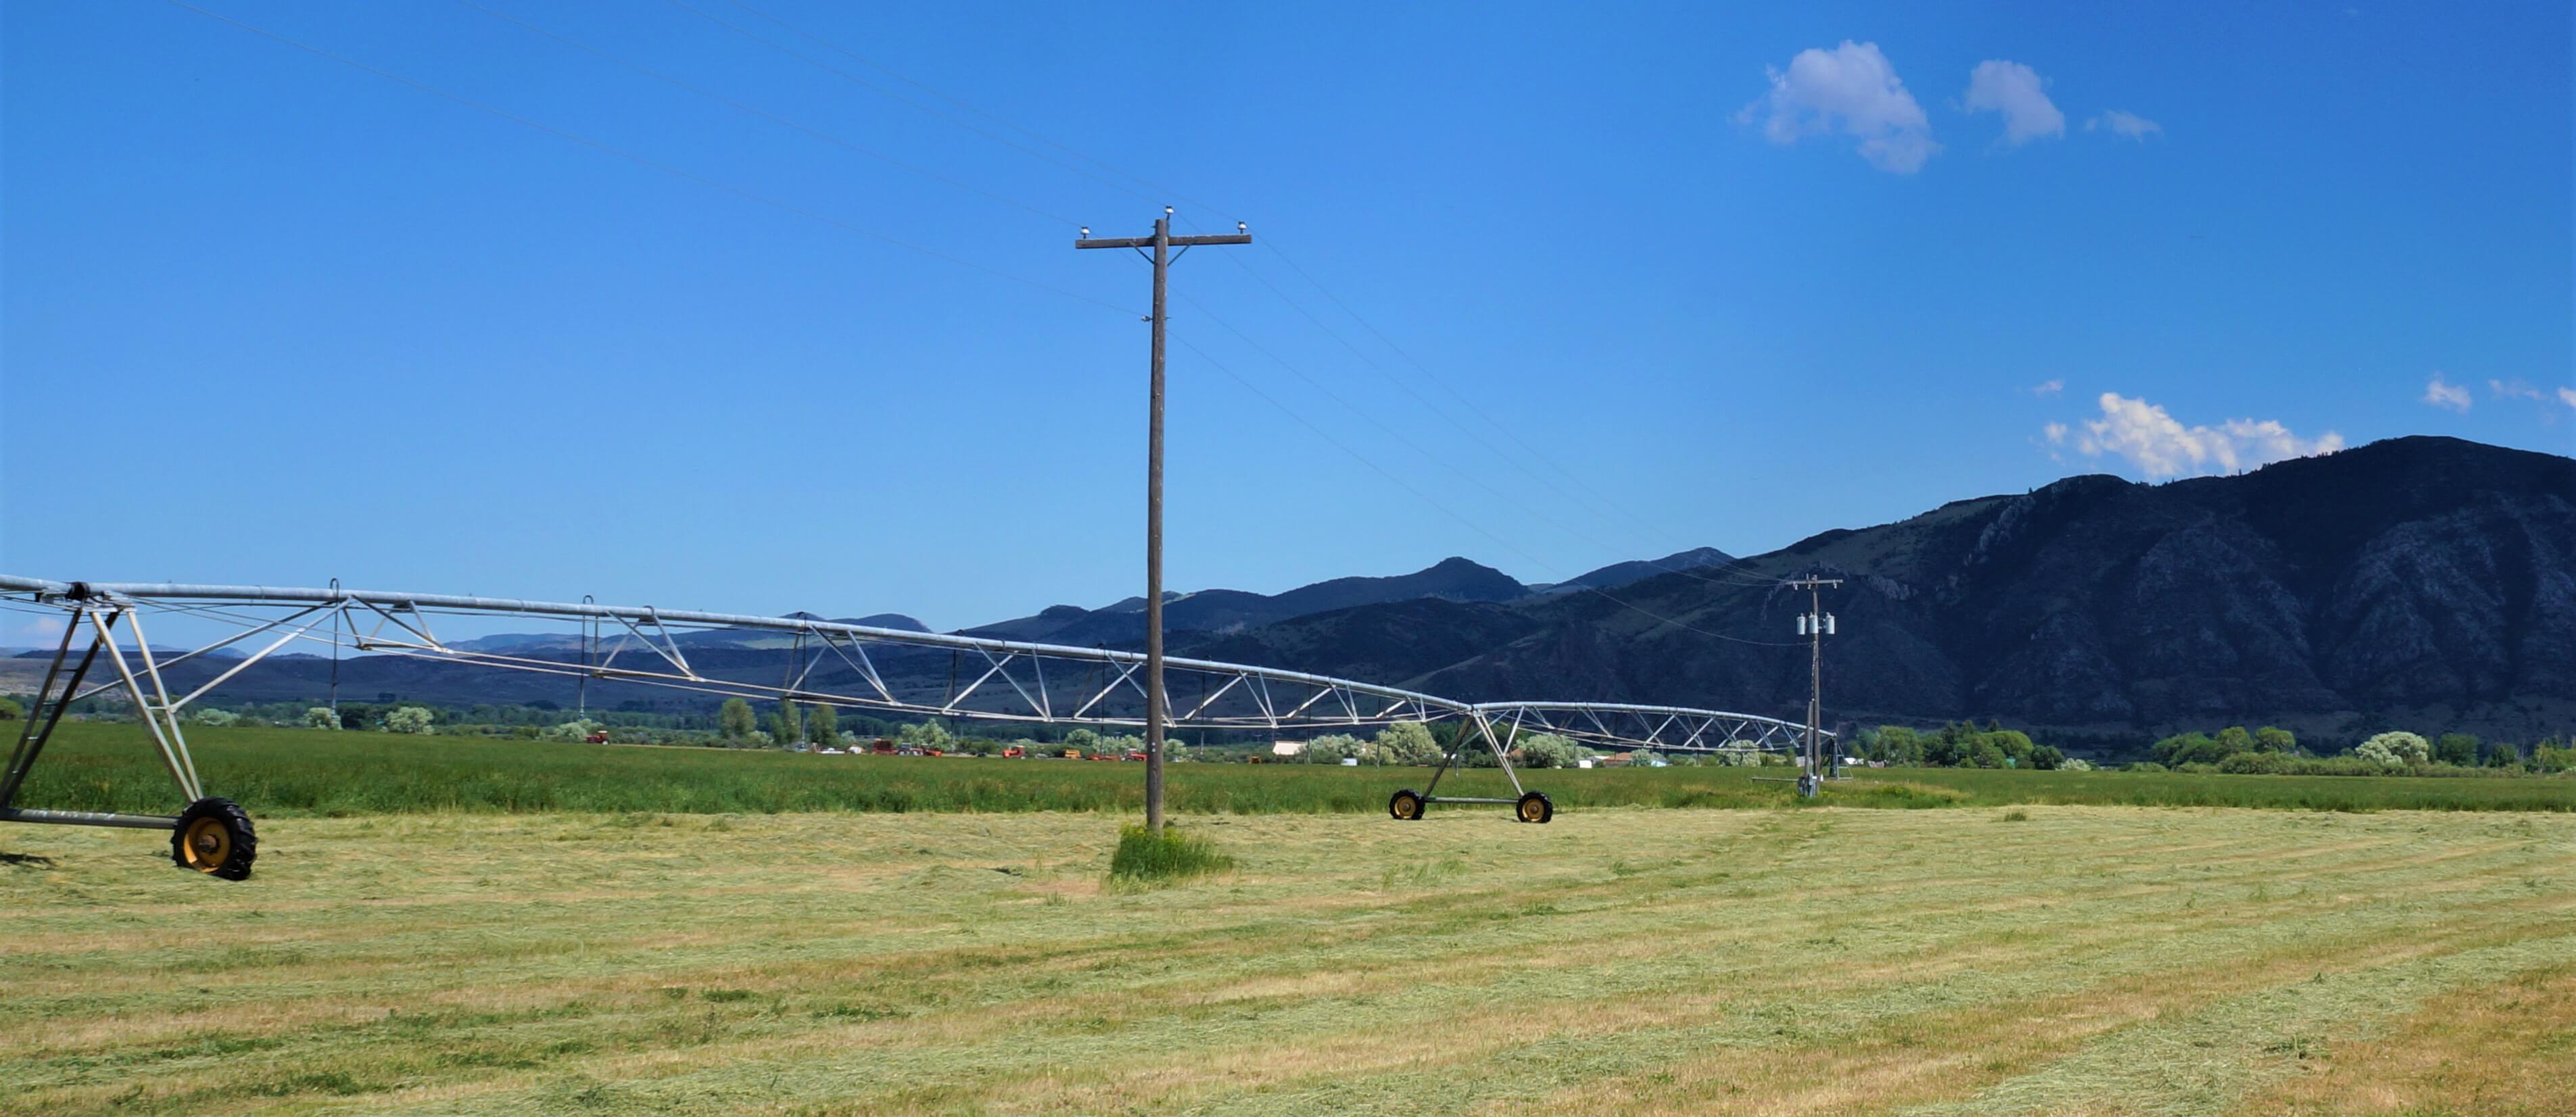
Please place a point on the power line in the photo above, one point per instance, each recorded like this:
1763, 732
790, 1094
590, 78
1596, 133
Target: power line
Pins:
1730, 566
765, 114
1471, 429
1159, 189
1444, 509
641, 160
889, 94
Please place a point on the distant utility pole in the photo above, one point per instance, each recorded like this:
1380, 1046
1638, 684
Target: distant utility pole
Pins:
1162, 242
1815, 625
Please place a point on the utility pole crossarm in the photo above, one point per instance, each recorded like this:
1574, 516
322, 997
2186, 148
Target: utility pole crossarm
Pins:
1176, 242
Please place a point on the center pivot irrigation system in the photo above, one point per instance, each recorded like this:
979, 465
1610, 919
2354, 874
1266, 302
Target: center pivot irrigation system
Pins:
822, 663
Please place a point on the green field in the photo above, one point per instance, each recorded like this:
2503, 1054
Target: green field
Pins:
294, 772
2028, 960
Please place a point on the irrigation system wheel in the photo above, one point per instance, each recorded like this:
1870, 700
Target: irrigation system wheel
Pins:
214, 837
1405, 805
1533, 807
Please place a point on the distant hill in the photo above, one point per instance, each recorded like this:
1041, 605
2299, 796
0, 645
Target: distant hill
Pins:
1621, 573
1122, 623
2425, 582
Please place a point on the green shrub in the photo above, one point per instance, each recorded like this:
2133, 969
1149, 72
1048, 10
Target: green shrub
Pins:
212, 716
2396, 749
1168, 854
321, 717
2256, 764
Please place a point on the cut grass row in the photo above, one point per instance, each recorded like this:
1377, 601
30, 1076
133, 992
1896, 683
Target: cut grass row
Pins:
1618, 963
291, 772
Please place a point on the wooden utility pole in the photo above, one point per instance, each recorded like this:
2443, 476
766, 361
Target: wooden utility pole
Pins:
1814, 626
1162, 243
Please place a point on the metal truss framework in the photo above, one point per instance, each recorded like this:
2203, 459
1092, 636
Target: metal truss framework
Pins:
821, 662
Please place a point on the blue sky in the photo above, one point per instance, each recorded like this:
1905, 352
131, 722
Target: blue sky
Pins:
1626, 281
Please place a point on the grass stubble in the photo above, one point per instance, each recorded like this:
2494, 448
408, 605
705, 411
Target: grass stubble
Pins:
1618, 961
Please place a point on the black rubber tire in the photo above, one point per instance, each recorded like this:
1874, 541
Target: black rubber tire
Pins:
1405, 805
214, 837
1534, 807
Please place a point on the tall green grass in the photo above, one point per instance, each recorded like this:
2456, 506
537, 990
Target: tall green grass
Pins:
1164, 855
292, 772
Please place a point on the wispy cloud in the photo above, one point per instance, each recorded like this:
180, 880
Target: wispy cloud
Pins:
2048, 389
1851, 89
2018, 92
2567, 396
2514, 389
2160, 446
2443, 394
2056, 433
2128, 125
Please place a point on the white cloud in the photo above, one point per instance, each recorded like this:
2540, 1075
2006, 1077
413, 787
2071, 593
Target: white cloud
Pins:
2056, 433
2567, 396
2442, 394
2160, 446
2017, 92
2126, 124
1852, 89
2049, 389
2514, 389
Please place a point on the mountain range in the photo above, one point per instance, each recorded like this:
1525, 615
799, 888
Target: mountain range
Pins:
2427, 583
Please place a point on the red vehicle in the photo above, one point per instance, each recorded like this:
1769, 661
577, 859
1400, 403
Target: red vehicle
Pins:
1013, 752
598, 738
1134, 754
882, 747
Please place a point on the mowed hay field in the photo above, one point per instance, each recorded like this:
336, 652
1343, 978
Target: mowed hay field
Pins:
2040, 959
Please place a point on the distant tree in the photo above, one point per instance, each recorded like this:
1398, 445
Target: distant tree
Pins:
215, 717
1982, 753
2395, 749
2047, 758
787, 723
2502, 754
2456, 748
2275, 739
2408, 748
823, 726
932, 735
1408, 742
1331, 748
2232, 740
321, 717
575, 730
1642, 758
735, 721
2075, 764
1084, 741
10, 710
1897, 744
408, 719
1546, 750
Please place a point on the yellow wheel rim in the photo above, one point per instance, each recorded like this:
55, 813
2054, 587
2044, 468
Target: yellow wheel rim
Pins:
1408, 807
1529, 810
208, 843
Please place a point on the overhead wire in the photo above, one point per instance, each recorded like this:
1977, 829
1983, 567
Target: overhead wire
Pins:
1444, 509
765, 114
646, 161
1529, 451
846, 226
